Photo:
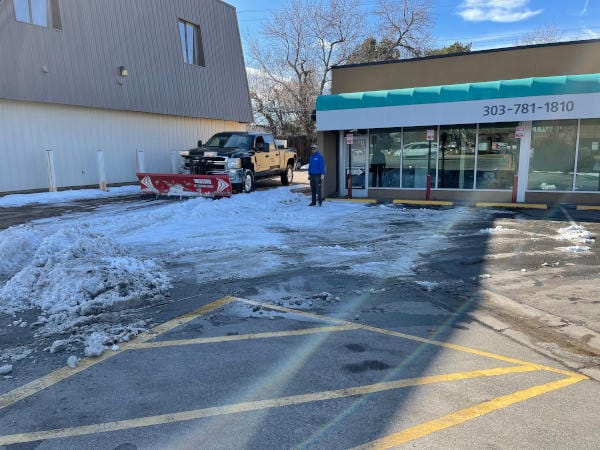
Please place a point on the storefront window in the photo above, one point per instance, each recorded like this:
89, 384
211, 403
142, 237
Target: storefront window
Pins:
456, 168
552, 157
385, 146
497, 156
417, 159
588, 160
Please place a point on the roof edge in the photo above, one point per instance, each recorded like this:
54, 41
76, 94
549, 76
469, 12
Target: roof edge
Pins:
476, 52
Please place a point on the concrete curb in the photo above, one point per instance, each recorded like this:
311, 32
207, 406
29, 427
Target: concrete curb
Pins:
491, 300
511, 205
423, 202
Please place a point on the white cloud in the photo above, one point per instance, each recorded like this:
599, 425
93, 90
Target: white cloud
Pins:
496, 10
588, 33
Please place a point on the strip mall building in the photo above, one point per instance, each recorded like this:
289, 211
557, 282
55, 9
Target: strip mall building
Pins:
517, 124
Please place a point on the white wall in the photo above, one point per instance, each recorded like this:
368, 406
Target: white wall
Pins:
75, 134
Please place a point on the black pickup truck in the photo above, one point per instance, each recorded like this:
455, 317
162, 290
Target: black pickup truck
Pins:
244, 156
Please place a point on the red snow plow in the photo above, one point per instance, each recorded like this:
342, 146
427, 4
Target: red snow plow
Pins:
185, 185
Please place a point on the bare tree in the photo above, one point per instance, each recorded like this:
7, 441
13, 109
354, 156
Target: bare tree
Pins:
407, 24
297, 49
546, 34
298, 46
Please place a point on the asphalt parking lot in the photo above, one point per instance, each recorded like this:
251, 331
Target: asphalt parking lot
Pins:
282, 379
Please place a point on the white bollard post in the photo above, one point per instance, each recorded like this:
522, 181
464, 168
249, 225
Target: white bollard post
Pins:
175, 162
141, 167
101, 172
51, 174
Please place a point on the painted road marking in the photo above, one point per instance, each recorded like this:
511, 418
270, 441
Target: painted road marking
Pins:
341, 325
411, 337
511, 205
66, 372
466, 414
423, 202
257, 405
245, 337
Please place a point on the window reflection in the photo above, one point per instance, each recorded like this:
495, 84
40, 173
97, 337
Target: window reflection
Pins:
39, 12
22, 10
497, 156
588, 159
384, 166
457, 157
191, 43
418, 160
552, 157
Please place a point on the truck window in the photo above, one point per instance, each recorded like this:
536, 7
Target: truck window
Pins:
270, 142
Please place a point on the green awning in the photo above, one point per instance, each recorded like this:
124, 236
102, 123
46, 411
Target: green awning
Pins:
524, 87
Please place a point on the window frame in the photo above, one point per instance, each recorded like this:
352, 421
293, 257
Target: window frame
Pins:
51, 12
197, 56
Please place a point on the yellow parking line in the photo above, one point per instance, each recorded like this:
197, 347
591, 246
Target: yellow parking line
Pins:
466, 414
413, 338
511, 205
242, 337
588, 208
423, 202
352, 200
256, 405
65, 372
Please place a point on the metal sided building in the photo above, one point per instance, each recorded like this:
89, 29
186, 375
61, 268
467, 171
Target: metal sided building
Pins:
518, 124
117, 76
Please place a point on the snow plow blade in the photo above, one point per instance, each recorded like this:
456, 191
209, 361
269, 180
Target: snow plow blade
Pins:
184, 185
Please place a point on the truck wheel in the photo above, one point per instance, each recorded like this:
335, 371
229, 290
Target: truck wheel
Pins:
248, 185
288, 175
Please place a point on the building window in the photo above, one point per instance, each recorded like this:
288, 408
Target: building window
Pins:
44, 13
497, 156
385, 153
418, 160
552, 157
191, 43
457, 157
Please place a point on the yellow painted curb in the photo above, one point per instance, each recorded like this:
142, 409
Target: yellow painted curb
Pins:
511, 205
423, 202
355, 200
588, 207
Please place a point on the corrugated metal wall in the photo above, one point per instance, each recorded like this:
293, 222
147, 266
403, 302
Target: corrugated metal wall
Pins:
75, 134
78, 64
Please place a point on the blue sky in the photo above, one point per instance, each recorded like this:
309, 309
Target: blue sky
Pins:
484, 23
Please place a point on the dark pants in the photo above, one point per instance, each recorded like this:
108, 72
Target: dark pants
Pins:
377, 174
315, 187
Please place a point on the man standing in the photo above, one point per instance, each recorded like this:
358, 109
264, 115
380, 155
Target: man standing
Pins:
316, 172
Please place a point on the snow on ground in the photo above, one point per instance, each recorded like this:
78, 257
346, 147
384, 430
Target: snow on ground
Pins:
65, 196
80, 272
575, 233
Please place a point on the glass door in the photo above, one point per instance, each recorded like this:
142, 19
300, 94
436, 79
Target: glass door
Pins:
354, 157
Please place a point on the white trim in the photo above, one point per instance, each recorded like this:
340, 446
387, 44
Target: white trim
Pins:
524, 154
454, 113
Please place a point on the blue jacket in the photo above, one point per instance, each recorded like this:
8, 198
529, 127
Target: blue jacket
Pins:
316, 164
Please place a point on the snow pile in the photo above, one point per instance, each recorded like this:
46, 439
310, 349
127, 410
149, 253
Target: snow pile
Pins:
428, 285
75, 274
578, 248
85, 272
17, 245
576, 233
496, 230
